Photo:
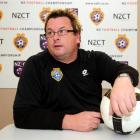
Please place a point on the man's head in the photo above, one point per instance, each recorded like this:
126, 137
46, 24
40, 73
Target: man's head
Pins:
65, 13
63, 30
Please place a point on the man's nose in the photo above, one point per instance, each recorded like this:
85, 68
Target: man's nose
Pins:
56, 36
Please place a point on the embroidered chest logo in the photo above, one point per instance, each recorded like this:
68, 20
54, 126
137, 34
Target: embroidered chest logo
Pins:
84, 72
56, 74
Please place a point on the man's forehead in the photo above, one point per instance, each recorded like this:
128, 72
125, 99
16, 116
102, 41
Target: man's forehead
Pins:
59, 22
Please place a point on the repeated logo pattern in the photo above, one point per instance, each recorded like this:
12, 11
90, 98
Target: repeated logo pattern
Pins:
122, 42
0, 67
18, 67
44, 13
1, 14
106, 26
97, 16
20, 41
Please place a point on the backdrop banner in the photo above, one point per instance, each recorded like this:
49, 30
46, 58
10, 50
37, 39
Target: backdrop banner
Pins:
109, 26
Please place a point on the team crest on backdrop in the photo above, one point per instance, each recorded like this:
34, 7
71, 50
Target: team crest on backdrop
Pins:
73, 10
56, 74
43, 42
18, 67
102, 22
0, 67
122, 42
1, 14
20, 42
97, 16
44, 13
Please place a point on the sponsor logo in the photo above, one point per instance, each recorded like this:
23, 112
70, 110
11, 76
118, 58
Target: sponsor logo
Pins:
18, 67
84, 72
97, 16
43, 42
116, 56
56, 74
122, 42
129, 2
44, 13
20, 15
1, 41
20, 41
121, 16
96, 43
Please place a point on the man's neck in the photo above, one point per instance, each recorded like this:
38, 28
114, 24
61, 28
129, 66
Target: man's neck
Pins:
67, 59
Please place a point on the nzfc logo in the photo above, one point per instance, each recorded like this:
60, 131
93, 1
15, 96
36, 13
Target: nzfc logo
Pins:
43, 42
20, 41
18, 67
121, 42
1, 14
97, 16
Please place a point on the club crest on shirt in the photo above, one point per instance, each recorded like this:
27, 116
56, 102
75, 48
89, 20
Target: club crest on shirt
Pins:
56, 74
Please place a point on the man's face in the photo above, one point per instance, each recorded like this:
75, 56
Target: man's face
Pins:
62, 46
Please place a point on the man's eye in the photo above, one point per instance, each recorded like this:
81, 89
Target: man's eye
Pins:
61, 31
49, 33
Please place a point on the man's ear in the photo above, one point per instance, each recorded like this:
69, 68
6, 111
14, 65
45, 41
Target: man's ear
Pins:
78, 38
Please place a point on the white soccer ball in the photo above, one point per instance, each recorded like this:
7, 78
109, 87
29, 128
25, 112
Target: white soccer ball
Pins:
125, 124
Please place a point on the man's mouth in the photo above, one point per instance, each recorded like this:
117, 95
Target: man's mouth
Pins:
57, 46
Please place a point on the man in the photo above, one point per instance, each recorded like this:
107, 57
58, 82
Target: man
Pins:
60, 88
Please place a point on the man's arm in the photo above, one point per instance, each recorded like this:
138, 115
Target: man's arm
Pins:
109, 69
122, 97
37, 119
83, 121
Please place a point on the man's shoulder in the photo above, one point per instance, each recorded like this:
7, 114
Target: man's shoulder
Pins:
40, 59
39, 56
90, 53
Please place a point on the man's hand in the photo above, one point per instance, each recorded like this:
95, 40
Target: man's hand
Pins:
83, 121
122, 99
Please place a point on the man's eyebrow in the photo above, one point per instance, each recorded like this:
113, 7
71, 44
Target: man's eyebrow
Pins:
58, 29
